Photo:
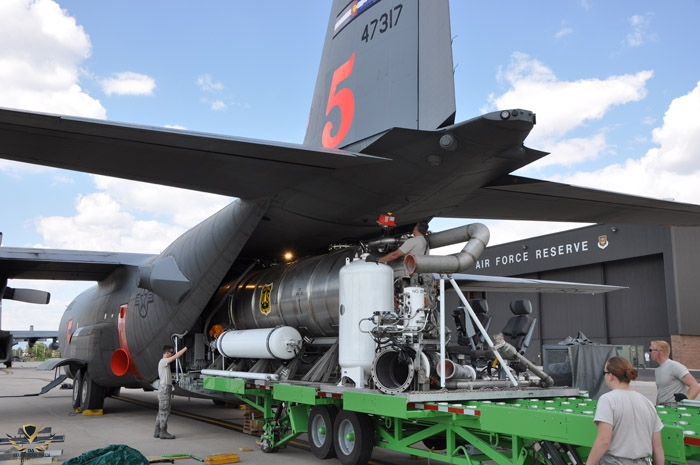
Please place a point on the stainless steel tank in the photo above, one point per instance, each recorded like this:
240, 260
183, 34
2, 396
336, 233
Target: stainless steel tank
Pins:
303, 295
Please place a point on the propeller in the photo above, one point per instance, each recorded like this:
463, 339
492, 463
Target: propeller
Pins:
31, 296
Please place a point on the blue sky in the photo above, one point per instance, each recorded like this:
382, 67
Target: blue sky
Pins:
615, 85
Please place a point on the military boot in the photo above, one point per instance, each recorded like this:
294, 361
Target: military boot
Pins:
164, 433
156, 433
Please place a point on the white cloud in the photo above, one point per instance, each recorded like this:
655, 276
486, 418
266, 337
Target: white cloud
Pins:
563, 105
569, 152
564, 31
106, 220
128, 83
19, 169
41, 49
640, 26
207, 84
669, 170
218, 105
181, 206
60, 179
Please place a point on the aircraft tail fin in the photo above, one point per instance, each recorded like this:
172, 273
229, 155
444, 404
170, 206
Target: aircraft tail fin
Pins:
385, 64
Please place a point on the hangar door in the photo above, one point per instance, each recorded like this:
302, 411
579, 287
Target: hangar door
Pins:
629, 316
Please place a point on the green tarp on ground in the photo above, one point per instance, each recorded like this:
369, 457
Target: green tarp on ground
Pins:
115, 454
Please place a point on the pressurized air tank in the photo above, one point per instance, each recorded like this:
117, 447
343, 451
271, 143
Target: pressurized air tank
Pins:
365, 288
282, 342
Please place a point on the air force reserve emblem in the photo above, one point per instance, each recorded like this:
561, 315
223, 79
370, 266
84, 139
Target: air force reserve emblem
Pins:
30, 445
603, 241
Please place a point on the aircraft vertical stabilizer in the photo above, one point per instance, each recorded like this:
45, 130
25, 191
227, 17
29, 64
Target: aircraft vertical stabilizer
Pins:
387, 64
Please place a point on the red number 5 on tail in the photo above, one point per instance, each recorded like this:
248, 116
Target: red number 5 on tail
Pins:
345, 101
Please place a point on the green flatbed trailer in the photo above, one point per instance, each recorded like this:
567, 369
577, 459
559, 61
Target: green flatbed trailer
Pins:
470, 427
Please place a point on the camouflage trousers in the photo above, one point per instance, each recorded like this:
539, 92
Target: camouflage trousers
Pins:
609, 459
165, 393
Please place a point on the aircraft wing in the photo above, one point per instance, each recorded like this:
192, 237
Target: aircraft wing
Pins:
471, 282
520, 198
36, 335
66, 265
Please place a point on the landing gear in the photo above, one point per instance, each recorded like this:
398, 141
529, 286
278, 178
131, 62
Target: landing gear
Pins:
320, 430
353, 438
78, 388
93, 397
86, 394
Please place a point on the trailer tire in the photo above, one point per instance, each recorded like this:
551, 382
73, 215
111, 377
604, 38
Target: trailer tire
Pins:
353, 437
435, 443
320, 430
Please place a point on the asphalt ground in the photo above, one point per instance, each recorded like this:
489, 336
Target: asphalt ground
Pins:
202, 428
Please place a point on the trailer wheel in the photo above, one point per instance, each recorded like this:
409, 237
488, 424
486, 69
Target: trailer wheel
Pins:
321, 421
78, 389
266, 446
435, 443
353, 437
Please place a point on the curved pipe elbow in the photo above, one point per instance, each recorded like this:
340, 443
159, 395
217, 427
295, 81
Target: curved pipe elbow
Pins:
476, 235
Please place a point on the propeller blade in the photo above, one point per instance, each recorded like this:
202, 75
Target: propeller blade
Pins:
31, 296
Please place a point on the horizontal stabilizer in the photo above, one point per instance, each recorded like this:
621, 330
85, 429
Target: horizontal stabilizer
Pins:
31, 296
218, 164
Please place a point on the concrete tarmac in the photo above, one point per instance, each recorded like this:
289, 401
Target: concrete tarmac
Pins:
131, 421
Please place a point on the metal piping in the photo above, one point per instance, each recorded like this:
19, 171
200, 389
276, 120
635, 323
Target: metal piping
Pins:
242, 374
476, 236
509, 352
458, 372
464, 384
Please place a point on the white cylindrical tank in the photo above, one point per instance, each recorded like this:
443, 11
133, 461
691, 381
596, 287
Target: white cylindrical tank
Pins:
282, 342
364, 288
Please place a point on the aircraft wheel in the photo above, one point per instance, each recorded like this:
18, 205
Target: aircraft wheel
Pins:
353, 437
78, 389
321, 420
93, 396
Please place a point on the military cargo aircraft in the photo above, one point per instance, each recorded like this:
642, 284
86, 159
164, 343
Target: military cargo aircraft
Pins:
381, 138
